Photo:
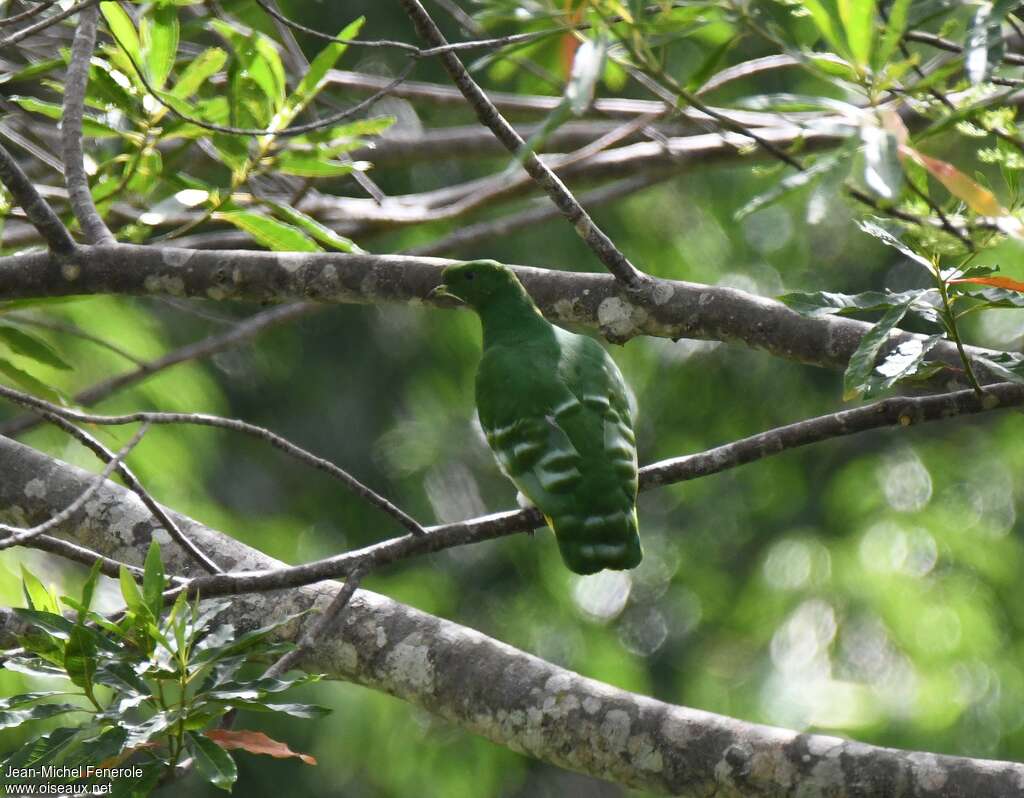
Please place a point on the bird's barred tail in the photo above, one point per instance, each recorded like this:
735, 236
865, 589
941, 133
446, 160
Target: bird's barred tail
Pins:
591, 544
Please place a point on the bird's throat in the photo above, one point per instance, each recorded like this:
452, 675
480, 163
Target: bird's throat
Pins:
511, 320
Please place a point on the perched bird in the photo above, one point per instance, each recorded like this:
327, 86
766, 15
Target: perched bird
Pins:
555, 411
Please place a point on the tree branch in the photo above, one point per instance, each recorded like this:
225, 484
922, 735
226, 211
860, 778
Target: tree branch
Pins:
95, 230
602, 246
506, 695
38, 210
672, 309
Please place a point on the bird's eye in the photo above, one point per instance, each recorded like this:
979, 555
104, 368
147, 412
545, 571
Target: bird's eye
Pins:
470, 275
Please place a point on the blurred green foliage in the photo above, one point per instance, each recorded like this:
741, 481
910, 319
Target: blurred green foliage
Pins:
866, 586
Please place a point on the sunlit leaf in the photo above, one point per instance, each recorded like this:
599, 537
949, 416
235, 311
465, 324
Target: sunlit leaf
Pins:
212, 762
587, 68
883, 174
978, 198
889, 239
892, 34
902, 362
824, 303
311, 165
862, 361
159, 32
320, 232
198, 71
858, 18
123, 29
26, 381
269, 232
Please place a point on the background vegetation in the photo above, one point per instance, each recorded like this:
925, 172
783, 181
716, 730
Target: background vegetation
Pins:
866, 586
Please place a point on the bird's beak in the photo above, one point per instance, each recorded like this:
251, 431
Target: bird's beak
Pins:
442, 291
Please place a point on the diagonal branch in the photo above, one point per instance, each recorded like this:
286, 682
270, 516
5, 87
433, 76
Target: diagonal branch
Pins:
898, 411
38, 210
206, 347
488, 114
96, 232
510, 697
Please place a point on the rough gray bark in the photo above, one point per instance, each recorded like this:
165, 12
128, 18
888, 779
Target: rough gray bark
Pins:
668, 309
506, 695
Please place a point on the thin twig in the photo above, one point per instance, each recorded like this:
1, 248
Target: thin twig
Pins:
28, 13
602, 246
24, 33
19, 536
38, 210
206, 347
56, 416
324, 624
294, 130
201, 419
894, 412
75, 177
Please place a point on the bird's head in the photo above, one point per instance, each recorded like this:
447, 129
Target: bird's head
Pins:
477, 282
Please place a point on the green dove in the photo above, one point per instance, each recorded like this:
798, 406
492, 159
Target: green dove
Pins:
556, 414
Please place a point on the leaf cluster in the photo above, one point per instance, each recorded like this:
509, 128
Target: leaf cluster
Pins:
153, 683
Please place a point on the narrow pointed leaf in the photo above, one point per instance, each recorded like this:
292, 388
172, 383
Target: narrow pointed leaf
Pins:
198, 71
255, 743
269, 232
320, 232
862, 362
212, 762
159, 33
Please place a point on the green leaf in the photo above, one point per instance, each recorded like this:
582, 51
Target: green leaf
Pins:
122, 29
213, 762
36, 595
271, 233
817, 304
373, 126
707, 68
587, 68
984, 47
80, 657
824, 19
90, 127
258, 61
153, 580
45, 749
198, 71
308, 165
862, 362
1009, 365
794, 182
312, 81
893, 32
15, 701
320, 232
87, 591
902, 362
29, 383
16, 717
889, 239
858, 18
159, 31
883, 173
132, 595
255, 705
31, 71
31, 346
